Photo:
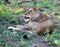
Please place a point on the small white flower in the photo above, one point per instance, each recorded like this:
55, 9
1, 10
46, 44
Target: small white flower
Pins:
4, 31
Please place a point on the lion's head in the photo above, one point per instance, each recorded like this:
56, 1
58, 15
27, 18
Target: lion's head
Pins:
31, 13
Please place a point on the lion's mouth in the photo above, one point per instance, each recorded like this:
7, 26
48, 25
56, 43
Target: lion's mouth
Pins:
26, 20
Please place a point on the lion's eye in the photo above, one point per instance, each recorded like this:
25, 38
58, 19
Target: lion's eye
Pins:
30, 11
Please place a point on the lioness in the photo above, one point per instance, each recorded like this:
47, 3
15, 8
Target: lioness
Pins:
37, 21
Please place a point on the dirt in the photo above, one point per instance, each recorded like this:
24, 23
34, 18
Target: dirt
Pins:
39, 42
35, 42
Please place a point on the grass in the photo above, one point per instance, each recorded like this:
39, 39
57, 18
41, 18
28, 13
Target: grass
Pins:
9, 16
54, 38
16, 39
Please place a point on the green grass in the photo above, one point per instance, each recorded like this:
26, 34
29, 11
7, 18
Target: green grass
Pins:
14, 39
8, 15
18, 40
54, 38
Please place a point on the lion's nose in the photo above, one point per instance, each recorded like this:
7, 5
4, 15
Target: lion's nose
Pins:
26, 17
25, 13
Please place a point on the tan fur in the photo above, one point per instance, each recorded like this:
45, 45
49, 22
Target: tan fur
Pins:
38, 22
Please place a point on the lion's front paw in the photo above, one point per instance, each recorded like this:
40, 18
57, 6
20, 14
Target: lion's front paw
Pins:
10, 27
